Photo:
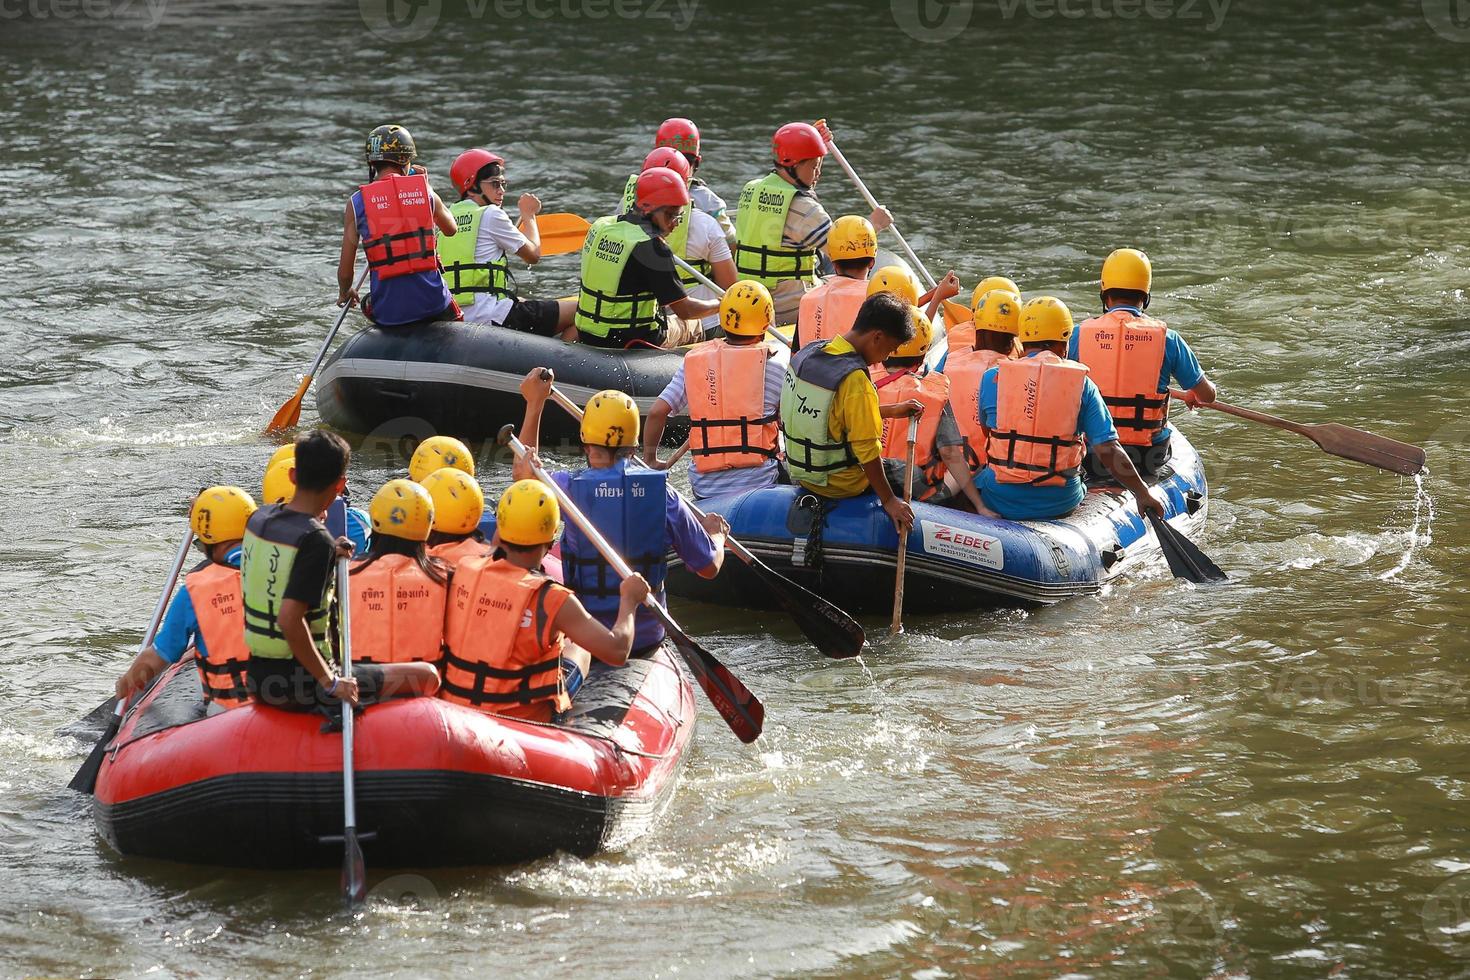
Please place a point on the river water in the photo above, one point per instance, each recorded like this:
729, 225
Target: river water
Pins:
1263, 779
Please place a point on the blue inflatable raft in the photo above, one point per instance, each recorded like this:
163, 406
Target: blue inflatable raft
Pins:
956, 560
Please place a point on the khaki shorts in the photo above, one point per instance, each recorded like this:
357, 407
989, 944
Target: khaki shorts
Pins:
680, 332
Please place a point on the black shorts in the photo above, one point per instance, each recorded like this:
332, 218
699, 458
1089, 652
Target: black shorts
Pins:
287, 685
537, 316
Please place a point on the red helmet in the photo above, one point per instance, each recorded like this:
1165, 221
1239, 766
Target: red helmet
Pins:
667, 156
660, 187
465, 170
679, 133
795, 142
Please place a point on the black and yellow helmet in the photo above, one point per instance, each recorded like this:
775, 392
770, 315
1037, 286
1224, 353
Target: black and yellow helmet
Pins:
390, 144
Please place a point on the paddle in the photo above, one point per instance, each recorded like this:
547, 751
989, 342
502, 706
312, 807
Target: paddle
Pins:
354, 869
873, 203
896, 627
833, 632
290, 413
561, 232
734, 702
706, 281
85, 779
1339, 440
1185, 559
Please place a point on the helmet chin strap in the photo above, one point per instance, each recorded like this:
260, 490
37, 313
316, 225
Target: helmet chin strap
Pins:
791, 172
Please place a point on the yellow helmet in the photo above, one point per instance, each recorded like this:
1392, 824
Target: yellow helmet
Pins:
459, 503
278, 487
923, 337
1043, 319
999, 310
288, 451
437, 452
610, 420
747, 309
219, 514
897, 280
1128, 268
989, 283
528, 514
852, 237
402, 509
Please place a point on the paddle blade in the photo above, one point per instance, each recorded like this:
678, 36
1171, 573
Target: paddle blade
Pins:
85, 781
956, 313
1365, 447
289, 414
354, 870
734, 702
833, 632
561, 233
1185, 558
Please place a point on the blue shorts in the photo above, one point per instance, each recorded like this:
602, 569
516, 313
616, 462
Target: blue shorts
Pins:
571, 676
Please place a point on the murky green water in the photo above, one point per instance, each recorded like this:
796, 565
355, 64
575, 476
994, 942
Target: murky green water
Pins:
1265, 779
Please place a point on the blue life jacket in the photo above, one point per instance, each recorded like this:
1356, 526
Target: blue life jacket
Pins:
628, 505
404, 299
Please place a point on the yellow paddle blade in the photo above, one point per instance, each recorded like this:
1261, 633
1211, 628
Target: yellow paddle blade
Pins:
561, 233
956, 313
289, 414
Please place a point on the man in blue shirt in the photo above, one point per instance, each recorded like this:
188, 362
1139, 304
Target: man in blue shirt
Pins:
1131, 357
1036, 411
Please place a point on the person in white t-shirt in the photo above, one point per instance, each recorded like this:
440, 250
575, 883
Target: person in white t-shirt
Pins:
683, 135
476, 261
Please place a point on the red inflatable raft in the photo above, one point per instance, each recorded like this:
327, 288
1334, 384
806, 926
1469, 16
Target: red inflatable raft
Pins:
437, 784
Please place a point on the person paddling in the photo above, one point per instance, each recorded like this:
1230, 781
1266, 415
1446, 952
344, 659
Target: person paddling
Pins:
828, 310
628, 274
288, 574
398, 590
516, 642
830, 414
207, 613
781, 226
476, 260
1131, 357
1036, 411
733, 401
278, 487
394, 216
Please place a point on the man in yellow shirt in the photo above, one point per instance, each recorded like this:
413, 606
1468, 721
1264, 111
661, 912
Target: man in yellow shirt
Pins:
830, 412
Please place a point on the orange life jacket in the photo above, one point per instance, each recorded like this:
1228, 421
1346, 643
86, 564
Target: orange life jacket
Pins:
964, 370
400, 226
501, 652
932, 390
729, 427
454, 552
397, 612
214, 590
1124, 353
829, 310
1038, 402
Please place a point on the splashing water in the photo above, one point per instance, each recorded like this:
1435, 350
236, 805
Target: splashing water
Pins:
1416, 538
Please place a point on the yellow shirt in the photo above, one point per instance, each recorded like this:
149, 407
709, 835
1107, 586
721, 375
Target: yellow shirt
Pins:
854, 419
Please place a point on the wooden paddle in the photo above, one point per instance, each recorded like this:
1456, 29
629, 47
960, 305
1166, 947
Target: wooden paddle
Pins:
289, 414
1185, 558
873, 203
354, 868
85, 780
833, 632
561, 232
1339, 440
734, 702
896, 627
707, 281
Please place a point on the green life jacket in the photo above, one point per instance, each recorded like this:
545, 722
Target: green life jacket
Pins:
467, 278
759, 225
811, 387
678, 240
602, 311
272, 537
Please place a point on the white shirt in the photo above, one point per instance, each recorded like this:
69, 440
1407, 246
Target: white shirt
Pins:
707, 243
744, 478
499, 237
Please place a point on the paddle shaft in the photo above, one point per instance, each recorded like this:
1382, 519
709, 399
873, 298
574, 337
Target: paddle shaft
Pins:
873, 203
707, 281
1245, 413
321, 355
354, 884
896, 626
